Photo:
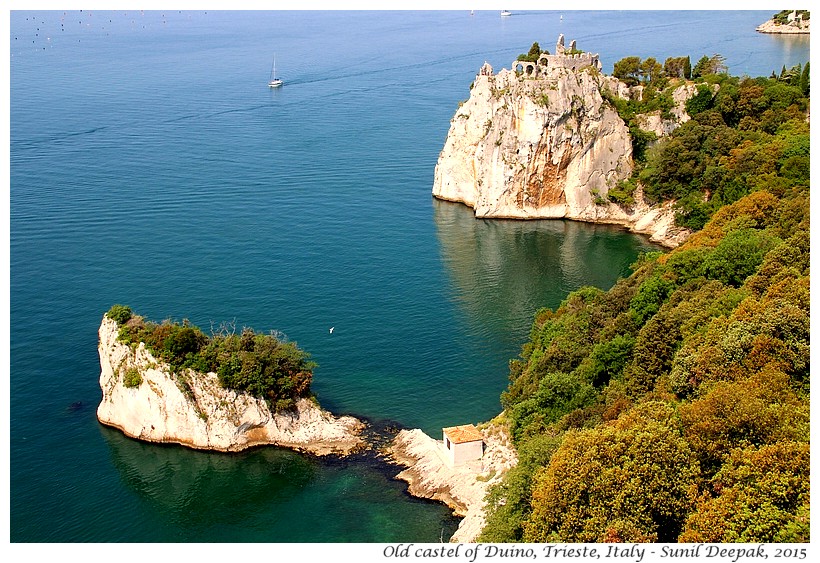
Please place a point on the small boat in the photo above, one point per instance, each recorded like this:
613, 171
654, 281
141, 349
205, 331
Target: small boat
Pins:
274, 82
505, 13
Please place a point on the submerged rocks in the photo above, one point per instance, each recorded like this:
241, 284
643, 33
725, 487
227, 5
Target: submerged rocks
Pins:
195, 411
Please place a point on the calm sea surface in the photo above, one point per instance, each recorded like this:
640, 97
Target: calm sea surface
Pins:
152, 166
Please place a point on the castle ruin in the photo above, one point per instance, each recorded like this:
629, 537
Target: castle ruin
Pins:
563, 58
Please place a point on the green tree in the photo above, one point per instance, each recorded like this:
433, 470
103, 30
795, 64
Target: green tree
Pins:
606, 360
760, 495
651, 70
673, 67
259, 364
738, 256
508, 502
558, 394
533, 54
700, 101
805, 81
649, 298
628, 69
701, 67
623, 482
119, 313
132, 378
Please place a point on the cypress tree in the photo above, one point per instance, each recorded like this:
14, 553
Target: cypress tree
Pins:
687, 68
795, 75
804, 80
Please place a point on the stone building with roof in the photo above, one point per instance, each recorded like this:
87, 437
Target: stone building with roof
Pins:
463, 444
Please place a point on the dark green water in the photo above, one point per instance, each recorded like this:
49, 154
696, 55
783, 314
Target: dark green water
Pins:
152, 166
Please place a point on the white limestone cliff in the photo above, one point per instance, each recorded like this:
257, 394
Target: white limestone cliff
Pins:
543, 143
794, 24
464, 487
662, 127
206, 416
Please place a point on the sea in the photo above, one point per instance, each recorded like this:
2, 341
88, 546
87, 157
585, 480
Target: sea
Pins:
151, 165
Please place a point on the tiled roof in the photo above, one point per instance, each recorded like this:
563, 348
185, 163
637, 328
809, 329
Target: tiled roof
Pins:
463, 433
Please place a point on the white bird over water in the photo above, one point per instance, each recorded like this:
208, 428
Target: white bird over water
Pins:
331, 329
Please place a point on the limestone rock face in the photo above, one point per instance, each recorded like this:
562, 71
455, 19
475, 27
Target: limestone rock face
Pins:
463, 487
205, 415
662, 127
795, 24
533, 147
543, 143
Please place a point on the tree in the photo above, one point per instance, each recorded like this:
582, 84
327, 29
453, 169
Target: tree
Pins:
558, 394
628, 481
649, 298
673, 67
651, 71
259, 364
628, 69
606, 360
699, 102
738, 256
716, 64
508, 502
760, 410
760, 495
119, 313
701, 67
533, 54
805, 82
687, 68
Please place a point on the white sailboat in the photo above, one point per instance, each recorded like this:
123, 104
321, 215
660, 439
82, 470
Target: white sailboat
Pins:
274, 82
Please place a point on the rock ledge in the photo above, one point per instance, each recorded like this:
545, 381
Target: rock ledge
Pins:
462, 488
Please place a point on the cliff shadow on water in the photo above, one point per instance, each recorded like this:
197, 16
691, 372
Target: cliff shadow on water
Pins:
206, 496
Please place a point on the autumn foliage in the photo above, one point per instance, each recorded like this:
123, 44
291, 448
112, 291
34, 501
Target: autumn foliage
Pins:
676, 405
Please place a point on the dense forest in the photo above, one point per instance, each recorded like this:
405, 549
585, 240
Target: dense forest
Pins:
675, 406
262, 365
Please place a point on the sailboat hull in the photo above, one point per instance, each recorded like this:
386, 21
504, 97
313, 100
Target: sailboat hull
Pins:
274, 82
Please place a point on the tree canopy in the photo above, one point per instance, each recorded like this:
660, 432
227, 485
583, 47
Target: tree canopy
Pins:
261, 364
675, 406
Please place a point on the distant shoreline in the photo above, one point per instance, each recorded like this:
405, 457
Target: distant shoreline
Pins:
771, 26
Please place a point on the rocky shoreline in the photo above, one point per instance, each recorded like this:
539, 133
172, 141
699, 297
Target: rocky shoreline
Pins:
463, 487
200, 414
793, 27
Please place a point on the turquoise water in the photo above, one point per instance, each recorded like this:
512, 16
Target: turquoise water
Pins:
152, 166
